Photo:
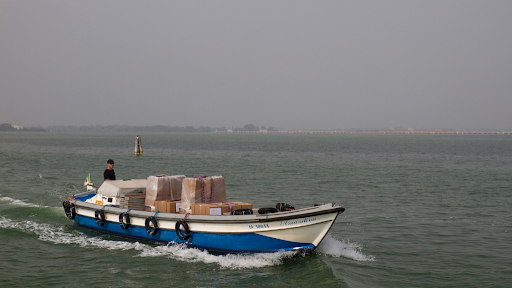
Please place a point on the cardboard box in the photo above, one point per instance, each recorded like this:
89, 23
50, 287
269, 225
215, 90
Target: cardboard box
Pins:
167, 206
157, 189
173, 206
192, 191
242, 205
160, 206
219, 189
232, 206
175, 186
196, 190
209, 208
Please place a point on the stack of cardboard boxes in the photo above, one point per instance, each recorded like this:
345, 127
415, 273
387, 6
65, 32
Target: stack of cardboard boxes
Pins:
180, 194
163, 188
201, 190
218, 208
132, 200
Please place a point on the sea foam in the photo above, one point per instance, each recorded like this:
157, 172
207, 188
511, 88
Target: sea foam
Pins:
58, 235
17, 202
341, 248
229, 261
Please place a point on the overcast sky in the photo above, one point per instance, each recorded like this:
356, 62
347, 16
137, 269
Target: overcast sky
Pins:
288, 64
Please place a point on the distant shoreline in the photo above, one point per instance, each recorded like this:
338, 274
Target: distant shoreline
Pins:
248, 129
437, 132
381, 132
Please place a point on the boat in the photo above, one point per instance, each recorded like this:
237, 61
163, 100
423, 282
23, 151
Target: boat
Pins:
264, 230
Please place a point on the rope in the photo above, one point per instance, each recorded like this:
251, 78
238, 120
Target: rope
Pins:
204, 196
185, 216
156, 213
213, 185
230, 206
202, 181
212, 200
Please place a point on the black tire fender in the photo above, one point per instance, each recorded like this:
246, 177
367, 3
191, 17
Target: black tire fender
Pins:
69, 209
72, 211
183, 223
124, 220
267, 210
99, 216
151, 230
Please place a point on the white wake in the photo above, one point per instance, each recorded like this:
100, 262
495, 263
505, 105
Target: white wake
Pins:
341, 248
17, 202
58, 235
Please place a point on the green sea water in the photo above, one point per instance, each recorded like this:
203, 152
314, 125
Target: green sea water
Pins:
421, 210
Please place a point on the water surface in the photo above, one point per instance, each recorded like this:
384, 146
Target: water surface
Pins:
421, 210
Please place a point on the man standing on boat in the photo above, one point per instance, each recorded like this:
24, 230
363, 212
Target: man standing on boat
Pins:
109, 173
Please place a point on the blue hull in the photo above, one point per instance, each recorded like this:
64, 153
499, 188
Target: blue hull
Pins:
215, 242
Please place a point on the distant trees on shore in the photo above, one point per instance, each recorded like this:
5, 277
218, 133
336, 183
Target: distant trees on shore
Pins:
154, 129
127, 128
6, 127
252, 127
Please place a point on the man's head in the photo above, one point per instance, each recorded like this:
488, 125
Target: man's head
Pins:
110, 163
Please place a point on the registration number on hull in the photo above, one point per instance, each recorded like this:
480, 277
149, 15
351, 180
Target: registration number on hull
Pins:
258, 226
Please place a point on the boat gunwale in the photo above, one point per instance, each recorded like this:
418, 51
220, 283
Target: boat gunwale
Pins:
216, 219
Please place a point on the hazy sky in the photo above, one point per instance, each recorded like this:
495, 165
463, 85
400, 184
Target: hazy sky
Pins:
289, 64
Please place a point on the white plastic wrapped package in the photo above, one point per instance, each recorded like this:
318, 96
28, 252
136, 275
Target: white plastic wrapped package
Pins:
157, 189
175, 186
196, 190
192, 191
219, 191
